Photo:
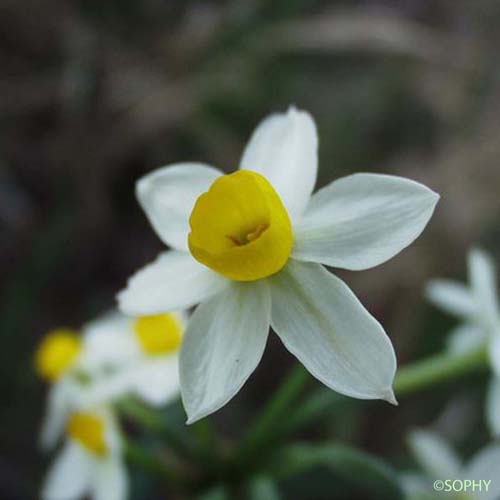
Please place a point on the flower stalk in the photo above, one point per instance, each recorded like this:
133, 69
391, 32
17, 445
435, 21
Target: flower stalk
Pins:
437, 369
271, 427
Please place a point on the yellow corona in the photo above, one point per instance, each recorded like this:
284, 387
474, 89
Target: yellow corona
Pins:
240, 228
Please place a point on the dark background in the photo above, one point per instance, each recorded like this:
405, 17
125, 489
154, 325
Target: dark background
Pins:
95, 94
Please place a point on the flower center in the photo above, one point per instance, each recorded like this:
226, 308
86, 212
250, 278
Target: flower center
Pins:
89, 431
159, 334
57, 353
240, 228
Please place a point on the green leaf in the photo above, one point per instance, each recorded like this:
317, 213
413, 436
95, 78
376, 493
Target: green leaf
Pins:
262, 487
365, 472
217, 493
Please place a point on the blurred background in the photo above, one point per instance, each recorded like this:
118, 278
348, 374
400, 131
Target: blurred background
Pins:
95, 94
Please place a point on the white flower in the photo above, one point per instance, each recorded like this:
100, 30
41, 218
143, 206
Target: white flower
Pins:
477, 306
250, 250
440, 462
136, 356
90, 462
115, 356
60, 360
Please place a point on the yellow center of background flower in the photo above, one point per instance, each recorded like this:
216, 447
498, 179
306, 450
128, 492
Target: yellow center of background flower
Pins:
240, 228
57, 353
88, 430
159, 334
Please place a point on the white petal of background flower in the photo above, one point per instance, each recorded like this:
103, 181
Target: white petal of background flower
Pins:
485, 466
108, 389
362, 220
434, 455
493, 406
483, 279
173, 281
417, 487
494, 352
108, 341
157, 381
222, 346
110, 480
452, 297
325, 326
168, 195
466, 337
113, 434
70, 474
54, 420
284, 149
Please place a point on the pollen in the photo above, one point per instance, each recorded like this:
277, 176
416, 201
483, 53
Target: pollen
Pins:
159, 334
240, 228
57, 353
89, 431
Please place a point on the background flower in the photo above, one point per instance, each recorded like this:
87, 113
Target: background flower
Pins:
90, 462
477, 306
439, 461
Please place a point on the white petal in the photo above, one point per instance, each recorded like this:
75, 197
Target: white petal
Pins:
156, 381
54, 420
434, 455
465, 338
113, 436
483, 278
493, 406
417, 487
452, 297
108, 342
363, 220
111, 480
494, 352
284, 149
109, 388
69, 475
485, 466
325, 326
173, 281
168, 194
222, 346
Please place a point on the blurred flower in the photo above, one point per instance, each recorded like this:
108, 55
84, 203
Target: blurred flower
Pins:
115, 356
439, 462
249, 247
137, 356
477, 306
90, 462
60, 360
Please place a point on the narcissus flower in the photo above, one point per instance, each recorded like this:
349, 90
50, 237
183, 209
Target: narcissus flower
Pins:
249, 246
477, 305
90, 462
59, 360
114, 356
140, 356
439, 462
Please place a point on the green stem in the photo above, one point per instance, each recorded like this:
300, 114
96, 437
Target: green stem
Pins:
271, 427
137, 455
437, 369
260, 434
154, 422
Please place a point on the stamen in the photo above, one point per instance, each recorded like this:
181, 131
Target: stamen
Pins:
257, 232
234, 240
